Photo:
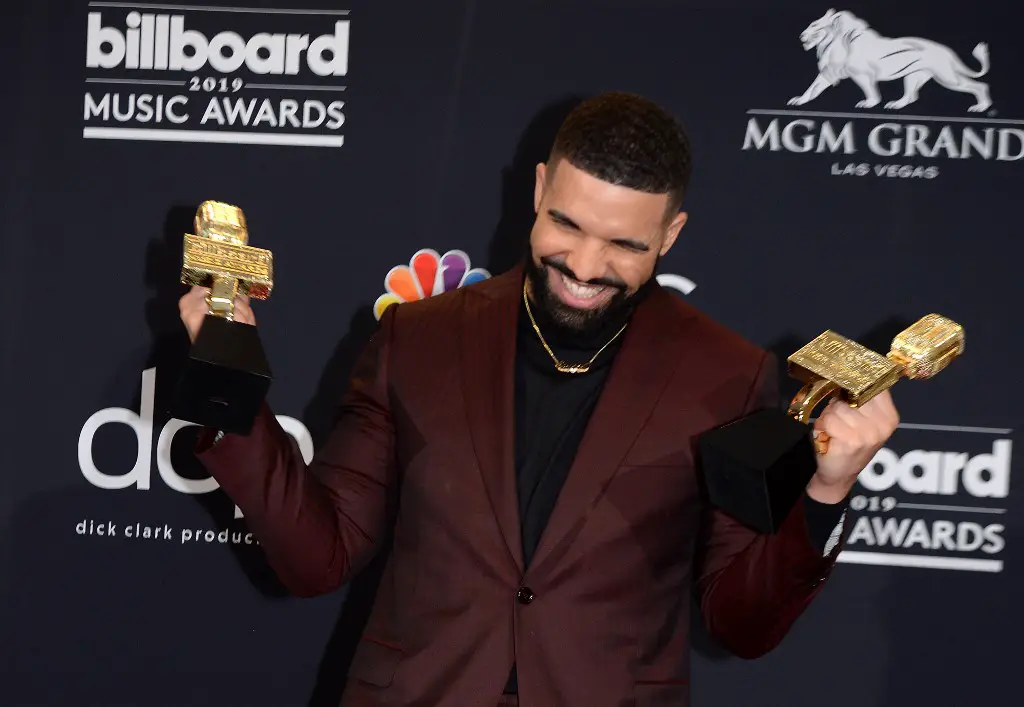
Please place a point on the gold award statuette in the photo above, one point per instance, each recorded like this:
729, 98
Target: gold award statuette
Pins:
219, 256
226, 377
834, 366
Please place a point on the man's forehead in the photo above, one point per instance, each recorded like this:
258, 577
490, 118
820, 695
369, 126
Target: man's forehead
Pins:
590, 201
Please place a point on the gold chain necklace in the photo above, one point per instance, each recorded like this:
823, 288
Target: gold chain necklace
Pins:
561, 366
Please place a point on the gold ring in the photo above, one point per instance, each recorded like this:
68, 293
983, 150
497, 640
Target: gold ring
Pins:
821, 442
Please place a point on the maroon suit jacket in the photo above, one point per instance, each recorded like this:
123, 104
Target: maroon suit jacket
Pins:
425, 442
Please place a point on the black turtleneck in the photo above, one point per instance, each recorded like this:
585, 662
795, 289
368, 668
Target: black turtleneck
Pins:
552, 410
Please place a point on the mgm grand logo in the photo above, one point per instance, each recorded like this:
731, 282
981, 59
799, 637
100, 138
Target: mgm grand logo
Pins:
849, 51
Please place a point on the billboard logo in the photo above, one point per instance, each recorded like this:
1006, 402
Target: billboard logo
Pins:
931, 507
206, 74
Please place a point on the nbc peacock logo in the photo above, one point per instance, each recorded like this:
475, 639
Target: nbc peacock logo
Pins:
426, 275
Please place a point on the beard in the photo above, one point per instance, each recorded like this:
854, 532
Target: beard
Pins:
569, 323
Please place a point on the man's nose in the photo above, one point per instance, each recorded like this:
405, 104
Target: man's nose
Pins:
587, 261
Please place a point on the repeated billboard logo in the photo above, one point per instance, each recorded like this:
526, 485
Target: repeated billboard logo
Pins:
921, 504
191, 73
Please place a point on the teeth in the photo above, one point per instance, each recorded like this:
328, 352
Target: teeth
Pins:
581, 291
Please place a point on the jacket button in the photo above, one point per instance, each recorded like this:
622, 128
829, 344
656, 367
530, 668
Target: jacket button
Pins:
524, 595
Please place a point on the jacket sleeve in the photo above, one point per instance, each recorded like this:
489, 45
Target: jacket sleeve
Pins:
752, 587
318, 525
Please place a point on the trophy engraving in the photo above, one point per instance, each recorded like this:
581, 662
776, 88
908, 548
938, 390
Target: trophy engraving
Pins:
226, 377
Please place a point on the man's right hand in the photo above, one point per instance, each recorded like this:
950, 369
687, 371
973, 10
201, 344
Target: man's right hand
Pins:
193, 309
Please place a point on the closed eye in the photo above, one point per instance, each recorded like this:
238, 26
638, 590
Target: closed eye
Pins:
563, 220
631, 245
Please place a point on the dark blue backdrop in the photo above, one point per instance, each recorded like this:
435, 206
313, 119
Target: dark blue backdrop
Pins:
445, 107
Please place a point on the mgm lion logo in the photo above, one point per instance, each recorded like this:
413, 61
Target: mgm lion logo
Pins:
848, 48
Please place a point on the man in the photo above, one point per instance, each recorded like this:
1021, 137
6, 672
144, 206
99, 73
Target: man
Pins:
528, 439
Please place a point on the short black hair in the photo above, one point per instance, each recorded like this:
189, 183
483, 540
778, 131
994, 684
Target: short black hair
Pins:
628, 140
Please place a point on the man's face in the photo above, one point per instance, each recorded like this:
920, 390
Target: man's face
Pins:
593, 244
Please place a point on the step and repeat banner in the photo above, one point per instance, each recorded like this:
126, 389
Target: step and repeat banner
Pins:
856, 167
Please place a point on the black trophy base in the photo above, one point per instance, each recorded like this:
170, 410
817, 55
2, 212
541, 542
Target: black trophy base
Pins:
225, 379
757, 468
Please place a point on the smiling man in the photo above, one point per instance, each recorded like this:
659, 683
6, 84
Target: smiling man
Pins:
528, 440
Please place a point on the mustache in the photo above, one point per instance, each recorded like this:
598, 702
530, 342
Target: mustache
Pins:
597, 281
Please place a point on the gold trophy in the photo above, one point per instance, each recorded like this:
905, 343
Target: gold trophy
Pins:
832, 365
757, 467
226, 377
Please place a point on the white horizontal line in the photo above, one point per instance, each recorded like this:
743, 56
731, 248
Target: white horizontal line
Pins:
296, 87
958, 428
235, 138
213, 8
949, 428
884, 116
963, 509
967, 564
151, 82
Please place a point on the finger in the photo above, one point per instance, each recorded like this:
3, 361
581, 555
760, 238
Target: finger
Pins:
853, 417
850, 429
868, 428
243, 312
886, 408
880, 412
880, 403
193, 299
838, 427
825, 412
822, 441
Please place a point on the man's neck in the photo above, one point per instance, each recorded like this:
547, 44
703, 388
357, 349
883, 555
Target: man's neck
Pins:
573, 343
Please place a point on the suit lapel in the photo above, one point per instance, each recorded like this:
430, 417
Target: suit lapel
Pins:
643, 367
488, 348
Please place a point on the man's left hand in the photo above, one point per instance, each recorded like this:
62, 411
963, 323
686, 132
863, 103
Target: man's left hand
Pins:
855, 435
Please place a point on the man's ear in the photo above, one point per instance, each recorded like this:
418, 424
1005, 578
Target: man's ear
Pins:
538, 186
673, 231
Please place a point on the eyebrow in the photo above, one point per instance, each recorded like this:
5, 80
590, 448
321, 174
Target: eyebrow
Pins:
563, 219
